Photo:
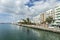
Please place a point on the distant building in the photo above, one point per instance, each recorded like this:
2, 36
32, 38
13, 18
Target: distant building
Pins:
46, 14
36, 19
51, 13
42, 17
55, 13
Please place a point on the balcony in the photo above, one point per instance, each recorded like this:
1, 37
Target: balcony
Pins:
58, 21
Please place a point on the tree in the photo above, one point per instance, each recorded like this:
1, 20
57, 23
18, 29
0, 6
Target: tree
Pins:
28, 20
49, 19
24, 21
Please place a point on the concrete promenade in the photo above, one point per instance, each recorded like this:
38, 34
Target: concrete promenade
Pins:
50, 29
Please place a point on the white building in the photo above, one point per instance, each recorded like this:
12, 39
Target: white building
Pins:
36, 19
57, 15
42, 17
50, 12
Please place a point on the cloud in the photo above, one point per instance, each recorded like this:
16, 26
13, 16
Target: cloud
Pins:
17, 9
43, 6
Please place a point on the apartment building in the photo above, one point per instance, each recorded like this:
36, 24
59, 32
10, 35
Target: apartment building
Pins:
46, 14
57, 16
51, 13
36, 19
55, 13
42, 17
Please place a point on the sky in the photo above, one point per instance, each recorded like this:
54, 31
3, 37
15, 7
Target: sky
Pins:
14, 10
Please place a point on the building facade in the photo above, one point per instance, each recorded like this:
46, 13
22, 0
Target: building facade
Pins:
57, 16
46, 14
55, 13
51, 13
42, 17
36, 19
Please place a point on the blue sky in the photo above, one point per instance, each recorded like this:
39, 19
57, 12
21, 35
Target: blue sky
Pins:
14, 10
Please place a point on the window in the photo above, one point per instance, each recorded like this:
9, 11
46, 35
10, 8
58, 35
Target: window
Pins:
58, 9
58, 16
57, 22
57, 12
58, 19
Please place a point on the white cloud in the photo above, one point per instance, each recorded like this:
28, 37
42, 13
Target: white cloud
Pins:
41, 5
19, 10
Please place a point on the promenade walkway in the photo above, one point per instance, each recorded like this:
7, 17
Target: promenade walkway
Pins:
51, 29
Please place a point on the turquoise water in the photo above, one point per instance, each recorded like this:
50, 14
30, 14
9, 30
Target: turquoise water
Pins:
14, 32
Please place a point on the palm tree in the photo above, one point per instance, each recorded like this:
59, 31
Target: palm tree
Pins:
49, 20
28, 20
24, 21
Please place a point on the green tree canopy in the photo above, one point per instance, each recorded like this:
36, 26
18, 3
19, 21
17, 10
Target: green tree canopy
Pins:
49, 19
26, 21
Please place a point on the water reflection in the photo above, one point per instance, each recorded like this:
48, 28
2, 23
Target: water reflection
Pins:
43, 35
14, 32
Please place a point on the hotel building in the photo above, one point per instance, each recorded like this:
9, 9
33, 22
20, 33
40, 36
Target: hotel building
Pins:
36, 19
46, 14
57, 15
42, 17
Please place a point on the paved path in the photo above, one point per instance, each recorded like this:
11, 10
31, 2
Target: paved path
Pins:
52, 29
